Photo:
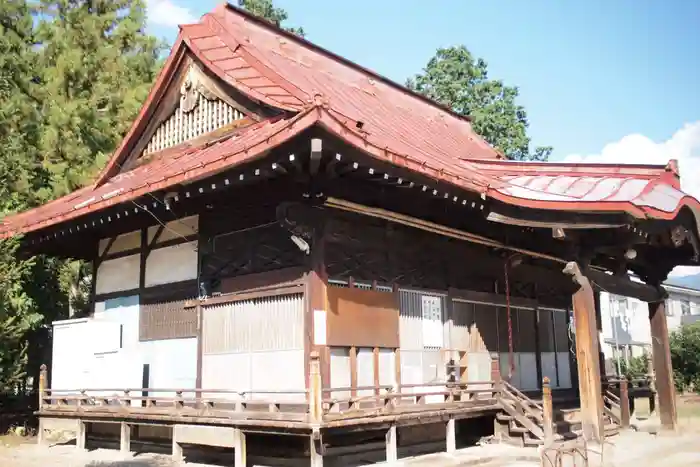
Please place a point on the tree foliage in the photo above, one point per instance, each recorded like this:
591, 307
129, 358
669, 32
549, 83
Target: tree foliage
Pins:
685, 357
458, 80
73, 76
267, 10
635, 367
96, 66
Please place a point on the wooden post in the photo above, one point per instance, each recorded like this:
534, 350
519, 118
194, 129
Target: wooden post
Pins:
43, 380
590, 389
392, 452
353, 371
315, 388
177, 448
624, 403
397, 370
81, 436
239, 448
200, 349
548, 412
451, 436
375, 358
317, 303
125, 438
315, 454
661, 354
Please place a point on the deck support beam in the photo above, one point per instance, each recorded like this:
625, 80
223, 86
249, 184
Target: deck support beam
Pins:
315, 452
177, 448
125, 438
661, 355
451, 436
392, 452
81, 435
587, 357
239, 448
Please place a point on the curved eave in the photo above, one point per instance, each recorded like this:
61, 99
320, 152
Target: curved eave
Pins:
203, 162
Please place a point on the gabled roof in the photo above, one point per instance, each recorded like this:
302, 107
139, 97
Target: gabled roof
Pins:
313, 87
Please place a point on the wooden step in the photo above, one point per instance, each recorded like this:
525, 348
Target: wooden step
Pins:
518, 429
504, 417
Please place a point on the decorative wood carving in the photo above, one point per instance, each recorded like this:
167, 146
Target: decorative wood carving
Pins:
202, 108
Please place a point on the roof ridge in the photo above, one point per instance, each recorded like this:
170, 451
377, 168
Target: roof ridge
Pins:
254, 60
340, 59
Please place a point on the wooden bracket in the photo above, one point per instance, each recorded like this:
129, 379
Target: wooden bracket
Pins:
101, 257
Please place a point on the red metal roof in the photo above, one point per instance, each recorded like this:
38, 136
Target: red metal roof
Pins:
181, 164
377, 116
641, 190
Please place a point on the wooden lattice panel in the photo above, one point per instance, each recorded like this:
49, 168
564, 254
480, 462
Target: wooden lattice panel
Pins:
206, 116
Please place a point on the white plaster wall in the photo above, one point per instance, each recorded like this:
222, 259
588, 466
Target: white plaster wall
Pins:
123, 311
256, 371
387, 365
124, 242
231, 371
70, 358
365, 370
172, 264
176, 229
340, 370
172, 364
116, 275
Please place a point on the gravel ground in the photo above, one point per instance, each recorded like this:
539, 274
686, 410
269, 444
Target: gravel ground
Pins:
629, 449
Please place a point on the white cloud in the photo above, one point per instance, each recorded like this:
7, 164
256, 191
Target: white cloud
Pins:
167, 13
684, 146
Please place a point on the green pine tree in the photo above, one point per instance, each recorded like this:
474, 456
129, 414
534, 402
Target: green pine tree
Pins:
267, 10
97, 66
20, 185
457, 79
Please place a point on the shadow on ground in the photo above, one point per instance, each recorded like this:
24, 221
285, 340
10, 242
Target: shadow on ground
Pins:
129, 463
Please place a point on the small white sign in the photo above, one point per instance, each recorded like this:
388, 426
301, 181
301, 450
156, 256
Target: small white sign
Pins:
320, 327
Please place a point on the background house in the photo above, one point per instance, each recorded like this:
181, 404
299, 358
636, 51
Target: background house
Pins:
625, 322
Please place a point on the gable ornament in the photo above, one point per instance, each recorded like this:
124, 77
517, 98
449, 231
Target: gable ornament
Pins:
194, 85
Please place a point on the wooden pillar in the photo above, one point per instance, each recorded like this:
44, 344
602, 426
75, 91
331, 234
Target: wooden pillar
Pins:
177, 448
315, 389
624, 403
125, 438
239, 448
200, 348
315, 454
81, 436
43, 384
317, 307
392, 452
451, 436
590, 389
375, 366
661, 355
353, 371
548, 412
41, 433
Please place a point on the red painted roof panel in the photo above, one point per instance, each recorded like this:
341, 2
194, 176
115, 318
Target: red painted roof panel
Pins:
366, 110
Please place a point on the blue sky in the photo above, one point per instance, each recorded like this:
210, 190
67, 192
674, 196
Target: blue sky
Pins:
589, 72
602, 81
